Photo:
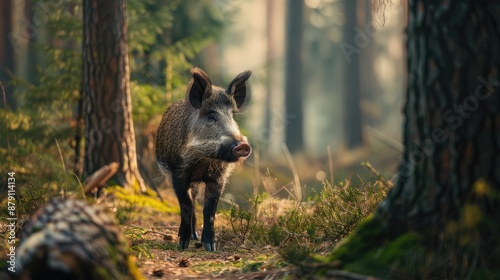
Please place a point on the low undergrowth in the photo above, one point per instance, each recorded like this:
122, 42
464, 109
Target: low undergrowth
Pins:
302, 228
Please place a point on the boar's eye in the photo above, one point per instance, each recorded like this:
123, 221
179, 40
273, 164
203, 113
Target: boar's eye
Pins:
212, 117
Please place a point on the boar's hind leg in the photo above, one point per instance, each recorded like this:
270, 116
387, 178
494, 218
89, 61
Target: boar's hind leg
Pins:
194, 193
186, 206
212, 194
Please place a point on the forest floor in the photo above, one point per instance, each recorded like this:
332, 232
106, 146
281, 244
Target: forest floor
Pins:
154, 242
167, 262
151, 225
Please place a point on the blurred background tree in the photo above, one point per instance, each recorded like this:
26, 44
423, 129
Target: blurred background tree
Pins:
355, 39
6, 49
223, 37
294, 137
46, 83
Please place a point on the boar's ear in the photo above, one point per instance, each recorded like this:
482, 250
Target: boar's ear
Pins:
199, 87
238, 88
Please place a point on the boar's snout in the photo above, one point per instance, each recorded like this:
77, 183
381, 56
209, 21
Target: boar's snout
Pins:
241, 150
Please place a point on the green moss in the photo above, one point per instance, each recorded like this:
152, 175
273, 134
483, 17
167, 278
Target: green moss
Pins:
157, 244
367, 251
389, 259
216, 267
367, 236
255, 263
252, 266
140, 200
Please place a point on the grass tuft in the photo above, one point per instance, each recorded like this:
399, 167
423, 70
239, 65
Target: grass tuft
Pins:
300, 228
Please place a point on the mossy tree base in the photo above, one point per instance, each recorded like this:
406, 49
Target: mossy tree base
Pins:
459, 253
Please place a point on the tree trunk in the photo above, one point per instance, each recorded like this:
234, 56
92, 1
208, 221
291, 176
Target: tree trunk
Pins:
353, 136
452, 125
6, 50
440, 220
109, 131
294, 137
449, 181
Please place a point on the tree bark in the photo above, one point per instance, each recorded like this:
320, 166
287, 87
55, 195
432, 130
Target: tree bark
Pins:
109, 131
353, 136
6, 50
452, 112
294, 137
449, 180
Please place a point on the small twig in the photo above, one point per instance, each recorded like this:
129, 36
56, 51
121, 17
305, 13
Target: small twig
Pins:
60, 155
63, 166
286, 190
157, 232
79, 183
245, 248
296, 180
294, 235
379, 176
383, 138
330, 164
257, 172
230, 202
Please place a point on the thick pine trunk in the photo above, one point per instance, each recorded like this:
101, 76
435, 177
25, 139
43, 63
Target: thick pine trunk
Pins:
109, 131
452, 125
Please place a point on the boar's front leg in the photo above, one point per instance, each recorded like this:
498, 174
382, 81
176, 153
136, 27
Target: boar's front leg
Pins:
212, 193
181, 188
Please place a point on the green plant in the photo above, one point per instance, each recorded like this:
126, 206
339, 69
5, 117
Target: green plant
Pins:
327, 217
244, 222
135, 235
125, 212
340, 209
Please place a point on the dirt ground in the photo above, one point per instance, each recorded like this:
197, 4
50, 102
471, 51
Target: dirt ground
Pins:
154, 242
196, 263
158, 256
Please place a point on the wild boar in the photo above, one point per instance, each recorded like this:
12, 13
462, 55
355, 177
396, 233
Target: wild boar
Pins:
199, 143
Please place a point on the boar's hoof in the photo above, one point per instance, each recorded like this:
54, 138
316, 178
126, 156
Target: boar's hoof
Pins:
209, 246
183, 245
242, 150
